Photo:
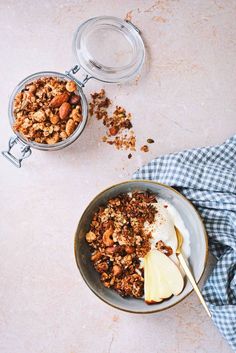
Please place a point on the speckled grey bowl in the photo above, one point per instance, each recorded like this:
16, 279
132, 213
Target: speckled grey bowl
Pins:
192, 220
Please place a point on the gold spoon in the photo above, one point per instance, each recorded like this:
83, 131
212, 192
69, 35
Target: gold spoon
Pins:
187, 270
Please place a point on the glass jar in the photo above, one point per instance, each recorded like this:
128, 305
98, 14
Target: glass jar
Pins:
107, 49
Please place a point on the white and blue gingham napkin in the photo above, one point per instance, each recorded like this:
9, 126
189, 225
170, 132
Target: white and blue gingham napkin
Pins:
207, 177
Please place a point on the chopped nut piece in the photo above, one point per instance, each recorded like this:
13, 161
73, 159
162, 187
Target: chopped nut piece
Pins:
71, 86
96, 256
90, 236
117, 270
63, 135
54, 119
74, 99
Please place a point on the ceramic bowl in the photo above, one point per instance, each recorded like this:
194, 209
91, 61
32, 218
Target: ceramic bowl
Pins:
192, 221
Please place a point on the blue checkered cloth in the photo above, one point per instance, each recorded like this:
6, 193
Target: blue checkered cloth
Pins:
207, 177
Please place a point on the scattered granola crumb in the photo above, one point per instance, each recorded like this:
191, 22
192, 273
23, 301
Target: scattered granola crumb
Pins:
118, 124
162, 247
144, 148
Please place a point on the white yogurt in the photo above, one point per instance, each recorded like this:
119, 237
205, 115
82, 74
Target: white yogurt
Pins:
163, 228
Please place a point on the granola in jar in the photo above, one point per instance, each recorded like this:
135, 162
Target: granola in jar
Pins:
47, 110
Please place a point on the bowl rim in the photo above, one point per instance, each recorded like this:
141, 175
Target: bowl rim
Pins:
197, 214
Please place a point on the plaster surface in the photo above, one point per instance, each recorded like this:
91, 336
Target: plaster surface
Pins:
185, 98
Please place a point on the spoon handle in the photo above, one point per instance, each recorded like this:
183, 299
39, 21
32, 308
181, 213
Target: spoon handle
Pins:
192, 280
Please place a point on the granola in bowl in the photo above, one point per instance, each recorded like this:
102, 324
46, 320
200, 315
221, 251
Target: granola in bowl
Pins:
117, 239
47, 110
122, 234
171, 209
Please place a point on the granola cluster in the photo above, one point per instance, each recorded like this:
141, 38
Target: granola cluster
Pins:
47, 110
165, 249
118, 239
118, 124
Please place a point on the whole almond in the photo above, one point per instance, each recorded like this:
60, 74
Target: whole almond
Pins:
58, 100
64, 110
70, 127
74, 99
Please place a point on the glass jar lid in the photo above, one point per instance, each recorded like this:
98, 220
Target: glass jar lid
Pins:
109, 49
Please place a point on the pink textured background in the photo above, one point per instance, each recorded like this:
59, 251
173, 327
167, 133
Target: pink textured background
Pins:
185, 98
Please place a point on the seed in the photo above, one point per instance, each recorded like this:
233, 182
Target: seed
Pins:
150, 141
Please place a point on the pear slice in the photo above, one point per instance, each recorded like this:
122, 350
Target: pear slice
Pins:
155, 287
169, 271
151, 284
163, 288
162, 277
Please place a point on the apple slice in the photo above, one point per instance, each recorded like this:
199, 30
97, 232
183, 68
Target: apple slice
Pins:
162, 277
